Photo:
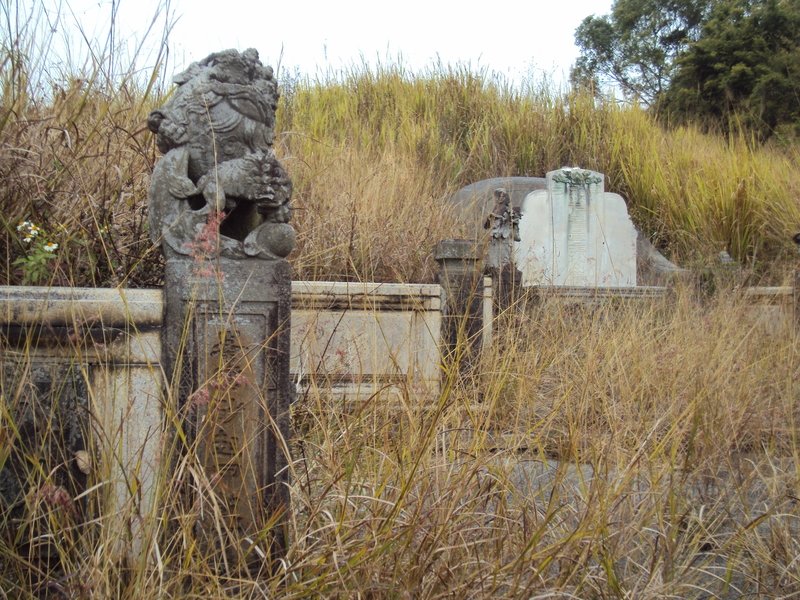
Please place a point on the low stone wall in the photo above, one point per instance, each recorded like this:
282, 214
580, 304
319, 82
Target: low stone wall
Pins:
358, 340
84, 367
596, 294
770, 309
773, 309
83, 382
355, 337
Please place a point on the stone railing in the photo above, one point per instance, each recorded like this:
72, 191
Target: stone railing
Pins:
84, 366
359, 340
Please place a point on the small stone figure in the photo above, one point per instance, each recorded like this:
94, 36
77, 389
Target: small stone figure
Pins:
216, 133
503, 226
503, 223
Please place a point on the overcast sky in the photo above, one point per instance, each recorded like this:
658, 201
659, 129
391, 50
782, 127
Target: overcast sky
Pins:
521, 39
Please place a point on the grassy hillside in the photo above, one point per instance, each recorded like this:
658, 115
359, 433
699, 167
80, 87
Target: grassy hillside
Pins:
373, 156
370, 134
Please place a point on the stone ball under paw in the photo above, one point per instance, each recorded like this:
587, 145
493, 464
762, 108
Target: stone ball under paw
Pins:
271, 239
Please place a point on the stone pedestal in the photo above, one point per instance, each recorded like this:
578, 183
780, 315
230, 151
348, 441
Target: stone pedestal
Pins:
462, 281
227, 342
508, 292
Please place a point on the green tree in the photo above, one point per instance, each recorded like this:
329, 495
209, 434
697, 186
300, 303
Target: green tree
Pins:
745, 65
636, 47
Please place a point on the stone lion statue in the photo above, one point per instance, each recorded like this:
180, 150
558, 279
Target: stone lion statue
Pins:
216, 133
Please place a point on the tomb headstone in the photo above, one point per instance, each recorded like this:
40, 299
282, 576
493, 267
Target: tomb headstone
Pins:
473, 203
219, 206
575, 234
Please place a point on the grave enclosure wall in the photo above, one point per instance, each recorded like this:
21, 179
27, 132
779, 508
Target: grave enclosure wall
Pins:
96, 354
84, 366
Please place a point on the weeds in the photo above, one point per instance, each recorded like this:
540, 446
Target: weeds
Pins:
640, 449
34, 264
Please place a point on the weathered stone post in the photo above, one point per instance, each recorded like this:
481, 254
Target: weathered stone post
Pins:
462, 281
219, 206
796, 299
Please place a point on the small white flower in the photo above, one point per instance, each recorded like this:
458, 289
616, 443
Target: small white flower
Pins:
29, 230
51, 247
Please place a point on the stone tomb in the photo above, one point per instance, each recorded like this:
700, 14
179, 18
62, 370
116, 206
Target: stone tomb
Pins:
575, 234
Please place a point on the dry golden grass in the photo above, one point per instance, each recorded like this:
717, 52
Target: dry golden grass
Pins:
636, 449
373, 156
679, 417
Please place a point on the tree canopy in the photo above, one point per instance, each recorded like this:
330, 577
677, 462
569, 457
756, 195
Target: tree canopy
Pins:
707, 60
745, 64
635, 48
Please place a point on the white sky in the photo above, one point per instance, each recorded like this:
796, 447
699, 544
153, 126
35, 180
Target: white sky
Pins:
521, 39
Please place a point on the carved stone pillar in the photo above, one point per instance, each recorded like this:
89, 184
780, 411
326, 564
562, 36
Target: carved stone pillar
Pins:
227, 346
796, 284
219, 205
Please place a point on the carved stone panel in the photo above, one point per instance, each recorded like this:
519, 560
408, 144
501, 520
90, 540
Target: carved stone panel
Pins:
231, 401
229, 348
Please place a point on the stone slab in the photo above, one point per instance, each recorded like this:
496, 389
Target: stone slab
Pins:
355, 340
111, 307
576, 235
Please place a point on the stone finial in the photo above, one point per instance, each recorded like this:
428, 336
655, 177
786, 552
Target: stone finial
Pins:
216, 133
